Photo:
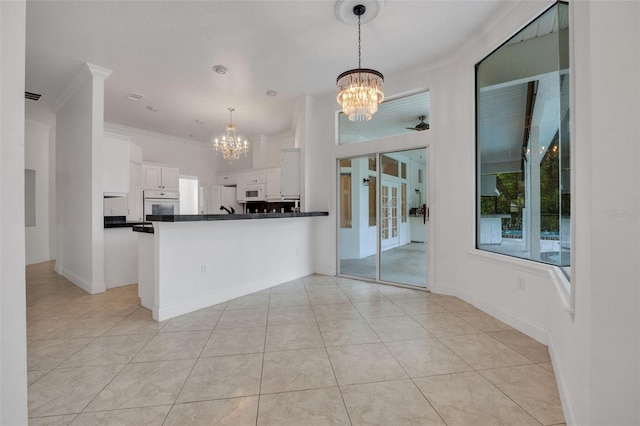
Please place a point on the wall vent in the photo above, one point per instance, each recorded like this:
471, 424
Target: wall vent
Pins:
135, 96
32, 96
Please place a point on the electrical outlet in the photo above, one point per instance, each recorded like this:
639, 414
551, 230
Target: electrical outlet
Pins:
203, 269
521, 284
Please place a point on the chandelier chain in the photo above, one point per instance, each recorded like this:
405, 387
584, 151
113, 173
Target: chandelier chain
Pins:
359, 45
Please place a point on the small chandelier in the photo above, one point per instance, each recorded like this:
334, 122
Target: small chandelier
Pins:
360, 89
231, 146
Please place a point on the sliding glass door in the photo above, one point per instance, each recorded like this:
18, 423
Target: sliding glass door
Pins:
383, 228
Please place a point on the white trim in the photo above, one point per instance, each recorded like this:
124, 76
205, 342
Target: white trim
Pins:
533, 330
81, 77
81, 282
561, 382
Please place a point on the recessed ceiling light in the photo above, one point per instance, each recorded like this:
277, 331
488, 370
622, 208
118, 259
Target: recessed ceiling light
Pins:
199, 121
152, 108
221, 69
134, 96
271, 93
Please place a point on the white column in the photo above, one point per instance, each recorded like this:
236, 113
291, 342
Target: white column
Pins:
13, 357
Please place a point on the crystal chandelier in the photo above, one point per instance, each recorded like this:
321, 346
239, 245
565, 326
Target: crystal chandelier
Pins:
231, 146
360, 89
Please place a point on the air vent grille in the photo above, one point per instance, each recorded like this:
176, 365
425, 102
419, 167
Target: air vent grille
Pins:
135, 96
32, 96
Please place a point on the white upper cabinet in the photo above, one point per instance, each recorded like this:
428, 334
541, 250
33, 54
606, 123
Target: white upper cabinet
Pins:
255, 176
290, 166
115, 166
160, 177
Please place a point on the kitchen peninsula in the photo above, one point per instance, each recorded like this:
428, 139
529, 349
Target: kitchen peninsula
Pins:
189, 262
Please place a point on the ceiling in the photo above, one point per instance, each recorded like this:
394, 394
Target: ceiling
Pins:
165, 50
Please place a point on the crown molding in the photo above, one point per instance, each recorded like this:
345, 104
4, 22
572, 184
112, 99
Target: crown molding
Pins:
115, 128
86, 71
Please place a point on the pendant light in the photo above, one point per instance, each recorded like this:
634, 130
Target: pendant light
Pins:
360, 90
230, 145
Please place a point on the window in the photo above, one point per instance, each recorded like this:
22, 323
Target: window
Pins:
523, 143
345, 202
394, 117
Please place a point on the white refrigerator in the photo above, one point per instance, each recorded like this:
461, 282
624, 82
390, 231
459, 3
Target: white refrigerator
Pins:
211, 198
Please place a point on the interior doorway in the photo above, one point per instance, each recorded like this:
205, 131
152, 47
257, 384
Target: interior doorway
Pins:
382, 199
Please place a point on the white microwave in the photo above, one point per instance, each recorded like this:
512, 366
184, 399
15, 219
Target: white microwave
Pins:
254, 192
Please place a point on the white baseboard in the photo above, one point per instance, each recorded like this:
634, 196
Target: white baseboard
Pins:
533, 330
567, 407
80, 282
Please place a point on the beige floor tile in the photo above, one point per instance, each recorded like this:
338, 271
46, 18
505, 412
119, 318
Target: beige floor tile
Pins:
177, 345
397, 293
47, 354
52, 420
482, 351
235, 341
39, 329
296, 370
243, 318
291, 315
295, 286
524, 345
113, 309
347, 332
143, 385
147, 416
288, 299
308, 408
368, 296
88, 327
427, 358
223, 377
364, 363
293, 336
397, 402
419, 306
531, 387
451, 303
379, 309
318, 279
222, 412
547, 366
335, 312
484, 322
108, 350
469, 399
326, 298
398, 328
203, 319
445, 324
68, 390
136, 323
251, 301
35, 375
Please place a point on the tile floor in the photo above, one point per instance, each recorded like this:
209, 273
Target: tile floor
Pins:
315, 351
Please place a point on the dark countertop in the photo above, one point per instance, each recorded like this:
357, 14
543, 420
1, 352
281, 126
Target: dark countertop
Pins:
121, 222
210, 217
237, 216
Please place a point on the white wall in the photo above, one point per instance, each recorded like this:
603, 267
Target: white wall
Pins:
192, 158
13, 347
595, 352
37, 140
79, 195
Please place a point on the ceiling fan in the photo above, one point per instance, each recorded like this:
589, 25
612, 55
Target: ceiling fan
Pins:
420, 126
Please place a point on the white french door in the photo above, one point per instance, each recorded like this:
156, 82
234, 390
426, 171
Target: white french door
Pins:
389, 210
